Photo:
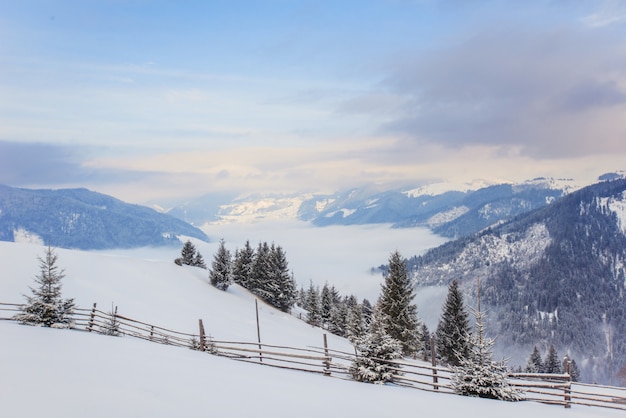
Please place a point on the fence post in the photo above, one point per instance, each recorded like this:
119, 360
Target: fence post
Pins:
201, 343
568, 383
92, 318
433, 361
327, 361
258, 329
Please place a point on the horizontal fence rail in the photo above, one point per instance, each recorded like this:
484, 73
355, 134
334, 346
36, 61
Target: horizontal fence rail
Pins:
554, 389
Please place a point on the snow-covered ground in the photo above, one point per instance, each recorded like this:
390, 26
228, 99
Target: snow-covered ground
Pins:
62, 373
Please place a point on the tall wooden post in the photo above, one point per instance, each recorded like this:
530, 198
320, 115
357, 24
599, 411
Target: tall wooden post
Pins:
433, 361
327, 361
202, 338
568, 383
92, 318
258, 329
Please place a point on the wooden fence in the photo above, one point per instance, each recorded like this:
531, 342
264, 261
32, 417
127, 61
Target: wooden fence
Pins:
545, 388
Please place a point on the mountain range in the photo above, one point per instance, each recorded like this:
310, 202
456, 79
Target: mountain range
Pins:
450, 210
554, 275
83, 219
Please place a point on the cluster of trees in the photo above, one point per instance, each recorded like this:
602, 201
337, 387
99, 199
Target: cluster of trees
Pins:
552, 364
470, 353
394, 329
264, 271
343, 316
190, 256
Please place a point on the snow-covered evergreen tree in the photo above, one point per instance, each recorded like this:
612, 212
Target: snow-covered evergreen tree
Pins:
313, 316
260, 282
426, 350
326, 305
396, 302
453, 328
188, 253
46, 307
552, 363
376, 351
478, 374
355, 323
242, 266
285, 295
534, 364
198, 261
220, 275
112, 325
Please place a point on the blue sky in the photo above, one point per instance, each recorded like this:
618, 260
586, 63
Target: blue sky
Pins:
154, 100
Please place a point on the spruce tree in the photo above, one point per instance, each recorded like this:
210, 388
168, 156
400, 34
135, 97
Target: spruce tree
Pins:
220, 275
534, 364
427, 349
453, 328
313, 316
326, 305
355, 323
285, 284
188, 253
46, 307
396, 304
478, 375
376, 351
198, 261
260, 280
112, 325
552, 363
242, 266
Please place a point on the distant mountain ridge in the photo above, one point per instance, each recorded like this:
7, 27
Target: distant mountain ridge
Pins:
83, 219
450, 210
555, 275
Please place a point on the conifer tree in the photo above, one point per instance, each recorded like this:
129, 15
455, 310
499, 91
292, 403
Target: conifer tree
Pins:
260, 279
534, 364
284, 296
376, 351
112, 326
46, 307
326, 305
453, 328
427, 350
396, 303
242, 266
188, 253
477, 374
198, 261
220, 275
313, 316
552, 363
355, 323
367, 310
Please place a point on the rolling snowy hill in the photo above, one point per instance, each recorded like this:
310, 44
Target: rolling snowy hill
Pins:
99, 376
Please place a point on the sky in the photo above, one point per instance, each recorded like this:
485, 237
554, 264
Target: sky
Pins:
155, 100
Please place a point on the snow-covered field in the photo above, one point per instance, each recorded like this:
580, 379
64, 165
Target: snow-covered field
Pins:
61, 373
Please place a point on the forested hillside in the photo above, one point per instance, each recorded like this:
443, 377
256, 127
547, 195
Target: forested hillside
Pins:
80, 218
553, 276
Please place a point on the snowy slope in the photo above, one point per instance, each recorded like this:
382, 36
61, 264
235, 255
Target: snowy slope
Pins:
61, 373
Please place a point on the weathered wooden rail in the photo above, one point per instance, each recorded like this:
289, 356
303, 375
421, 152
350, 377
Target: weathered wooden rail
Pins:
553, 389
